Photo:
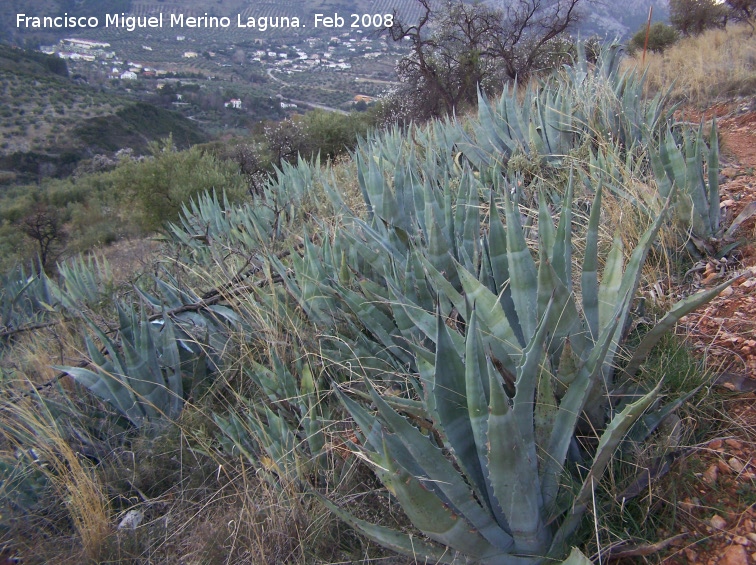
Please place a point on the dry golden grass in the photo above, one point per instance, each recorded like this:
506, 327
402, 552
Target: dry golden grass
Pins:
27, 422
702, 68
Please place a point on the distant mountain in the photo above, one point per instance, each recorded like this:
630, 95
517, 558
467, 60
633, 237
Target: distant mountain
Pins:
621, 19
40, 8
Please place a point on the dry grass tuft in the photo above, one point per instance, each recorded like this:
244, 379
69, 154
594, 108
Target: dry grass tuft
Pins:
26, 423
702, 68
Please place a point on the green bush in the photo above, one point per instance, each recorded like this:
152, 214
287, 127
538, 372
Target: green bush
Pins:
160, 185
660, 37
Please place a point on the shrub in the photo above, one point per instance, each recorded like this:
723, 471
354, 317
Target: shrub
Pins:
160, 185
660, 37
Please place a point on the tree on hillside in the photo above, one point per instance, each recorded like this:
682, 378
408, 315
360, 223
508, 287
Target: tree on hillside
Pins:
462, 46
692, 17
742, 10
45, 226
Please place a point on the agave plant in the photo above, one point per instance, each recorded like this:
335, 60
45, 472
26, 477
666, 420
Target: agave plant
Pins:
286, 436
486, 475
694, 169
573, 106
26, 300
143, 374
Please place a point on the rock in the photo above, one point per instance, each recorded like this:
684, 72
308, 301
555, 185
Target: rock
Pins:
689, 505
734, 555
131, 520
729, 172
717, 522
710, 475
736, 465
691, 555
715, 444
751, 536
727, 292
711, 277
723, 467
741, 540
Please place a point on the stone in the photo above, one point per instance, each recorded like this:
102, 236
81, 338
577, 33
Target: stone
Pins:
715, 444
729, 172
734, 555
723, 467
691, 555
735, 444
717, 522
736, 465
689, 505
710, 475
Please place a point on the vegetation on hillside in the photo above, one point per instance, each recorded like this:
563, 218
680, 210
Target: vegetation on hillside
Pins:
436, 347
700, 69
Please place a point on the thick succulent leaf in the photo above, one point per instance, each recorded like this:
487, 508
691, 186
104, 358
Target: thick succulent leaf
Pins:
471, 209
745, 213
513, 472
522, 271
611, 281
450, 413
712, 164
631, 279
695, 186
110, 389
501, 336
440, 251
438, 471
563, 319
375, 321
546, 409
680, 309
571, 407
431, 516
651, 420
477, 379
447, 293
610, 440
405, 544
528, 371
589, 274
497, 250
576, 557
561, 256
546, 231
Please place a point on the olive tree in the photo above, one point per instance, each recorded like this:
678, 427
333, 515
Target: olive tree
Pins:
461, 47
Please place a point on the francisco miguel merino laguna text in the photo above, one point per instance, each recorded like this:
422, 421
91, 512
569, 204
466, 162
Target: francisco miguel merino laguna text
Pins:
130, 23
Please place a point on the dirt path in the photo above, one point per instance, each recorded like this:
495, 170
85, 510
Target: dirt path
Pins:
718, 510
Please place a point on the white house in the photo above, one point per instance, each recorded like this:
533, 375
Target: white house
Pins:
128, 75
234, 103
